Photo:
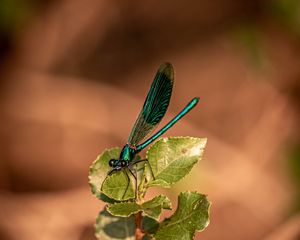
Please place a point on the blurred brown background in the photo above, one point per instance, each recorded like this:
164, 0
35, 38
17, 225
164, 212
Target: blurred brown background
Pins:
74, 75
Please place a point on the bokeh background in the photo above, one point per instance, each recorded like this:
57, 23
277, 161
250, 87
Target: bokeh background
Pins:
74, 75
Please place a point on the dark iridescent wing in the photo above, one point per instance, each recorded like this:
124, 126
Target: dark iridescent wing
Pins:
155, 105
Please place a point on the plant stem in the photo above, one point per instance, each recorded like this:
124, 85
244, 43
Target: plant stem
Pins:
138, 226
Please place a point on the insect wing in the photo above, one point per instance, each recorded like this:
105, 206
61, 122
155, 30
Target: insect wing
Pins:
155, 105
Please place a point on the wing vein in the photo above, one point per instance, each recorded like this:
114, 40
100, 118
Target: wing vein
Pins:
155, 105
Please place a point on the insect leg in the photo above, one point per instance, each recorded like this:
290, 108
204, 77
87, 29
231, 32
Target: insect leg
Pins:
136, 187
145, 160
109, 174
128, 182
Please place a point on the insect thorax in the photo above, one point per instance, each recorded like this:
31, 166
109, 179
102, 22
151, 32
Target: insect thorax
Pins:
128, 153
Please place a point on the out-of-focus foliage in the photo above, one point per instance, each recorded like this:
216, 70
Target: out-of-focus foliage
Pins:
111, 227
288, 12
294, 166
248, 35
14, 15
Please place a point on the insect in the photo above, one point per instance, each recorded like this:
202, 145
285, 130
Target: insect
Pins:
154, 109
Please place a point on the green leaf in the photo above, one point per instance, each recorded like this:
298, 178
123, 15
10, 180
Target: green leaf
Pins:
171, 159
109, 227
192, 215
149, 225
151, 208
106, 199
119, 186
160, 200
123, 209
100, 168
115, 186
154, 207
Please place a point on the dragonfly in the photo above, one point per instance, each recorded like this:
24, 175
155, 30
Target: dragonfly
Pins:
153, 110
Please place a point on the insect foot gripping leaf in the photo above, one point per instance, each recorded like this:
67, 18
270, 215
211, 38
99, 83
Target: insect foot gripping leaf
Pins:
128, 215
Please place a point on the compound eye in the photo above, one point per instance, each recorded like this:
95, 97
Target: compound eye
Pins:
111, 162
123, 163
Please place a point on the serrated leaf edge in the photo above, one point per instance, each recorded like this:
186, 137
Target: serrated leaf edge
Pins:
123, 203
141, 208
94, 190
169, 184
208, 210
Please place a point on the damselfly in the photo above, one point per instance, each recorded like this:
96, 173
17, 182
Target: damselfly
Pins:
154, 109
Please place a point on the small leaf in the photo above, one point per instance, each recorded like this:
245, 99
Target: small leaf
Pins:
115, 186
171, 159
109, 227
119, 186
123, 209
151, 208
192, 215
160, 200
154, 207
100, 168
